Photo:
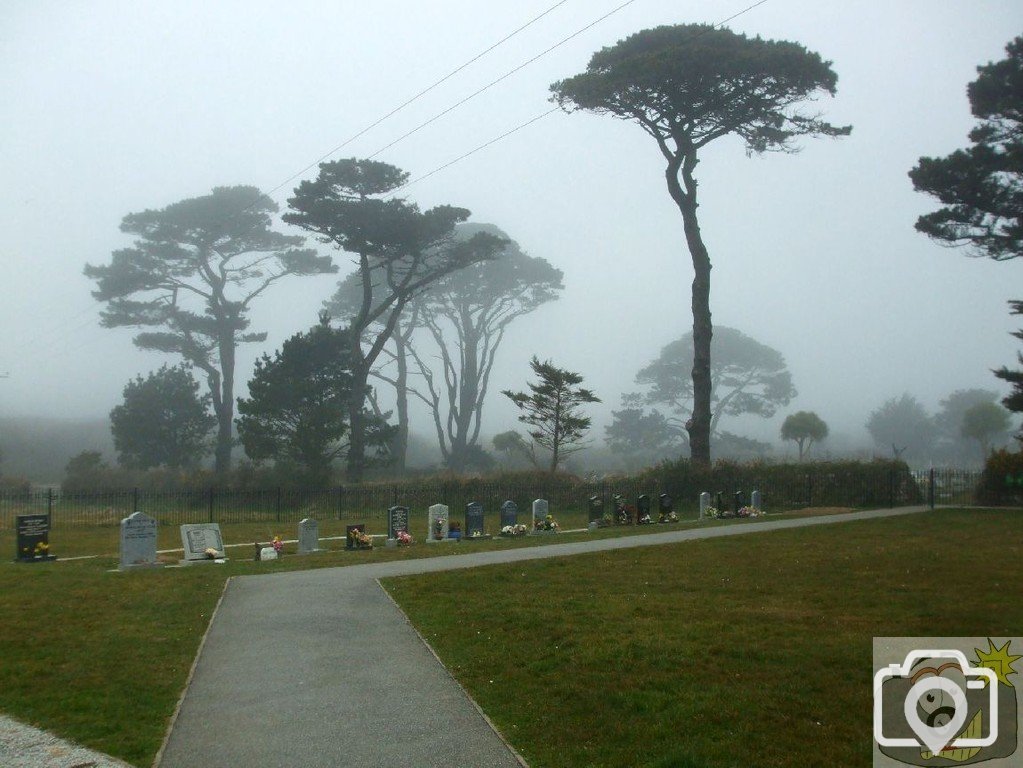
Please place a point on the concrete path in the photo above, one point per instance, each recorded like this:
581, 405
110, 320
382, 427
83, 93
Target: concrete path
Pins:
320, 669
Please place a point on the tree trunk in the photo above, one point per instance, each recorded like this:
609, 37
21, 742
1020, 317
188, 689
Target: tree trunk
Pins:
399, 447
699, 424
356, 460
225, 410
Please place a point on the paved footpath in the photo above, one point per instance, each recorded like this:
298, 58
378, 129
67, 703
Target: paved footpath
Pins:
320, 669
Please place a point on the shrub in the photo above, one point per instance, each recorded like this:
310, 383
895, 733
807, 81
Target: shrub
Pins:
1002, 479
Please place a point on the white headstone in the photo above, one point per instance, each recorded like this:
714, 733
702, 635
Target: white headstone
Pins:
196, 539
267, 553
437, 524
138, 541
308, 536
754, 500
540, 510
704, 503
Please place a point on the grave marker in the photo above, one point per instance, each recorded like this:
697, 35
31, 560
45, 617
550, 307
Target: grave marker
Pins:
437, 521
596, 508
138, 542
666, 507
509, 513
704, 504
473, 520
755, 500
642, 509
308, 536
196, 539
540, 510
33, 539
351, 540
397, 520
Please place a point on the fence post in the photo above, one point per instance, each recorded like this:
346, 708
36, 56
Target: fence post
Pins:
134, 499
49, 504
278, 503
891, 488
340, 496
930, 489
211, 505
809, 490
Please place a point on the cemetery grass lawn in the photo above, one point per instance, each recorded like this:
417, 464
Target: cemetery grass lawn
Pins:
722, 652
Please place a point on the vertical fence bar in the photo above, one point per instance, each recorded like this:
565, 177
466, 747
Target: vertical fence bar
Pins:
134, 500
278, 503
930, 488
211, 505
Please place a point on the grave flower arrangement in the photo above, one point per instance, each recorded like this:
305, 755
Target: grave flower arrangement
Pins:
514, 530
547, 524
404, 538
749, 512
41, 549
211, 553
623, 515
438, 528
710, 512
278, 545
644, 519
668, 517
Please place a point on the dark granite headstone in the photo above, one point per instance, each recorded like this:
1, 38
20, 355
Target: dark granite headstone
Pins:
33, 536
473, 520
738, 501
596, 508
509, 513
642, 508
667, 504
397, 520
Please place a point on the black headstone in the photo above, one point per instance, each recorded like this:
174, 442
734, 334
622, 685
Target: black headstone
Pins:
33, 537
642, 507
473, 519
350, 540
509, 513
739, 504
720, 502
397, 520
667, 505
596, 508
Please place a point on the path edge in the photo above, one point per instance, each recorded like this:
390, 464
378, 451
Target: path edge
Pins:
191, 674
521, 760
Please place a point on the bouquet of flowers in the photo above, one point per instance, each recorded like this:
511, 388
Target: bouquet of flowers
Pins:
212, 554
644, 519
438, 528
668, 517
278, 545
404, 538
622, 513
547, 524
514, 530
363, 540
711, 512
749, 512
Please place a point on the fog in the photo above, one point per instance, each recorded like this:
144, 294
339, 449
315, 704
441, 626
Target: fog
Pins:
113, 107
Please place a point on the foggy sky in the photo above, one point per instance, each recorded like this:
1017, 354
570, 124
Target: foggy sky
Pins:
115, 107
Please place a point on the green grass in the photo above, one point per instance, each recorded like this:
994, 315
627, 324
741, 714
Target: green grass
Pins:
727, 652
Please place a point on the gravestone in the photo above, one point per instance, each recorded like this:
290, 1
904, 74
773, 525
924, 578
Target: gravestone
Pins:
540, 510
437, 522
267, 553
642, 508
720, 502
33, 539
397, 520
596, 508
704, 504
350, 542
755, 500
473, 520
138, 542
666, 506
509, 513
738, 501
196, 539
308, 536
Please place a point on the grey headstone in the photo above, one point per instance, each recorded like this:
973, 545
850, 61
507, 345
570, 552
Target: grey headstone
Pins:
437, 521
540, 510
397, 520
642, 508
473, 519
509, 513
267, 553
755, 500
138, 541
196, 539
308, 536
704, 503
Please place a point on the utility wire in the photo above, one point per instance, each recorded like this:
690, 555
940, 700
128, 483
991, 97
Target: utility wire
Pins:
503, 77
421, 93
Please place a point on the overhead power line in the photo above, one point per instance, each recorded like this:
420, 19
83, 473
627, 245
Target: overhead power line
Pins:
417, 96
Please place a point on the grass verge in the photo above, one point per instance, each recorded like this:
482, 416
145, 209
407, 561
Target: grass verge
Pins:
724, 652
